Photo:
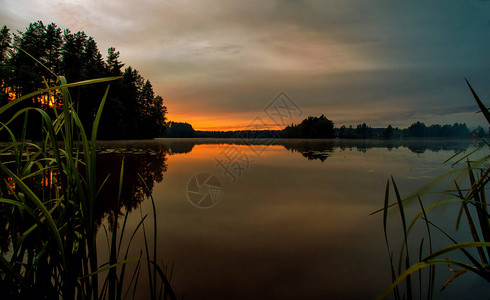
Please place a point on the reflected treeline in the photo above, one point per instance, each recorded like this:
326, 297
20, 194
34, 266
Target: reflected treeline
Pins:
318, 149
141, 172
321, 148
145, 163
311, 149
416, 146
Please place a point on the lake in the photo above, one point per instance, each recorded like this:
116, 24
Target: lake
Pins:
281, 219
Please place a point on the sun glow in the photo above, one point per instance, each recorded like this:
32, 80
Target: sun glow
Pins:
46, 100
225, 121
9, 91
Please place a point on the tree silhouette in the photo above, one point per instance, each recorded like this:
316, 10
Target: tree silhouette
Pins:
311, 128
132, 109
140, 171
179, 130
388, 132
417, 130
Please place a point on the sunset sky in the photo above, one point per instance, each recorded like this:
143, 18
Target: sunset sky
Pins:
219, 63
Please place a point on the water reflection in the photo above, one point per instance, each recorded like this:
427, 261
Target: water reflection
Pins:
310, 149
433, 145
320, 149
145, 163
149, 160
290, 228
141, 172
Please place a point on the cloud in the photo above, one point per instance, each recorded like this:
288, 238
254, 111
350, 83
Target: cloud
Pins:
350, 59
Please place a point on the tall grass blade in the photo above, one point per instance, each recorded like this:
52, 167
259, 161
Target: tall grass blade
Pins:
123, 268
432, 270
58, 87
36, 60
113, 255
385, 230
426, 188
480, 270
460, 246
405, 237
168, 289
480, 205
134, 279
471, 226
456, 274
482, 107
51, 188
109, 267
38, 203
8, 269
467, 155
148, 264
416, 267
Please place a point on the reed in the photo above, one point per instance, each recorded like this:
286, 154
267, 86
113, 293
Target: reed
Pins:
48, 195
473, 207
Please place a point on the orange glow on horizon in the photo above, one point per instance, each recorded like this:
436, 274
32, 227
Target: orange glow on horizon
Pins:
225, 121
229, 125
210, 151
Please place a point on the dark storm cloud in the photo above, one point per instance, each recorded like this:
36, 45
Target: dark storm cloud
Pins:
349, 59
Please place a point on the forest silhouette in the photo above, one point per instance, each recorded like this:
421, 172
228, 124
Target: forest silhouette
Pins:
132, 109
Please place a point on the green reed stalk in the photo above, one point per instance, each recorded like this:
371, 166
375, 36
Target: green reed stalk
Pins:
475, 196
48, 195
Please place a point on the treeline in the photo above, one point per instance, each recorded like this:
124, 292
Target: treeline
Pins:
179, 130
457, 129
416, 130
323, 128
185, 130
132, 109
310, 128
247, 135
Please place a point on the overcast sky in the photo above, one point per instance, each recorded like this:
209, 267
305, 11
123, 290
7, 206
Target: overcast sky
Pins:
219, 63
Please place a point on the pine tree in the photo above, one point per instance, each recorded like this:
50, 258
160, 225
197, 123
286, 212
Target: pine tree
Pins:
113, 64
132, 109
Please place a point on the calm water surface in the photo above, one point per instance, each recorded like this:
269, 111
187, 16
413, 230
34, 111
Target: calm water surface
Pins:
292, 219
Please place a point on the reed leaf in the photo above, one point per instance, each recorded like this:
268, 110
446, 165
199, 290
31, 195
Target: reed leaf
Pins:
454, 247
106, 268
482, 107
385, 230
38, 203
58, 87
65, 260
418, 266
457, 274
405, 237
